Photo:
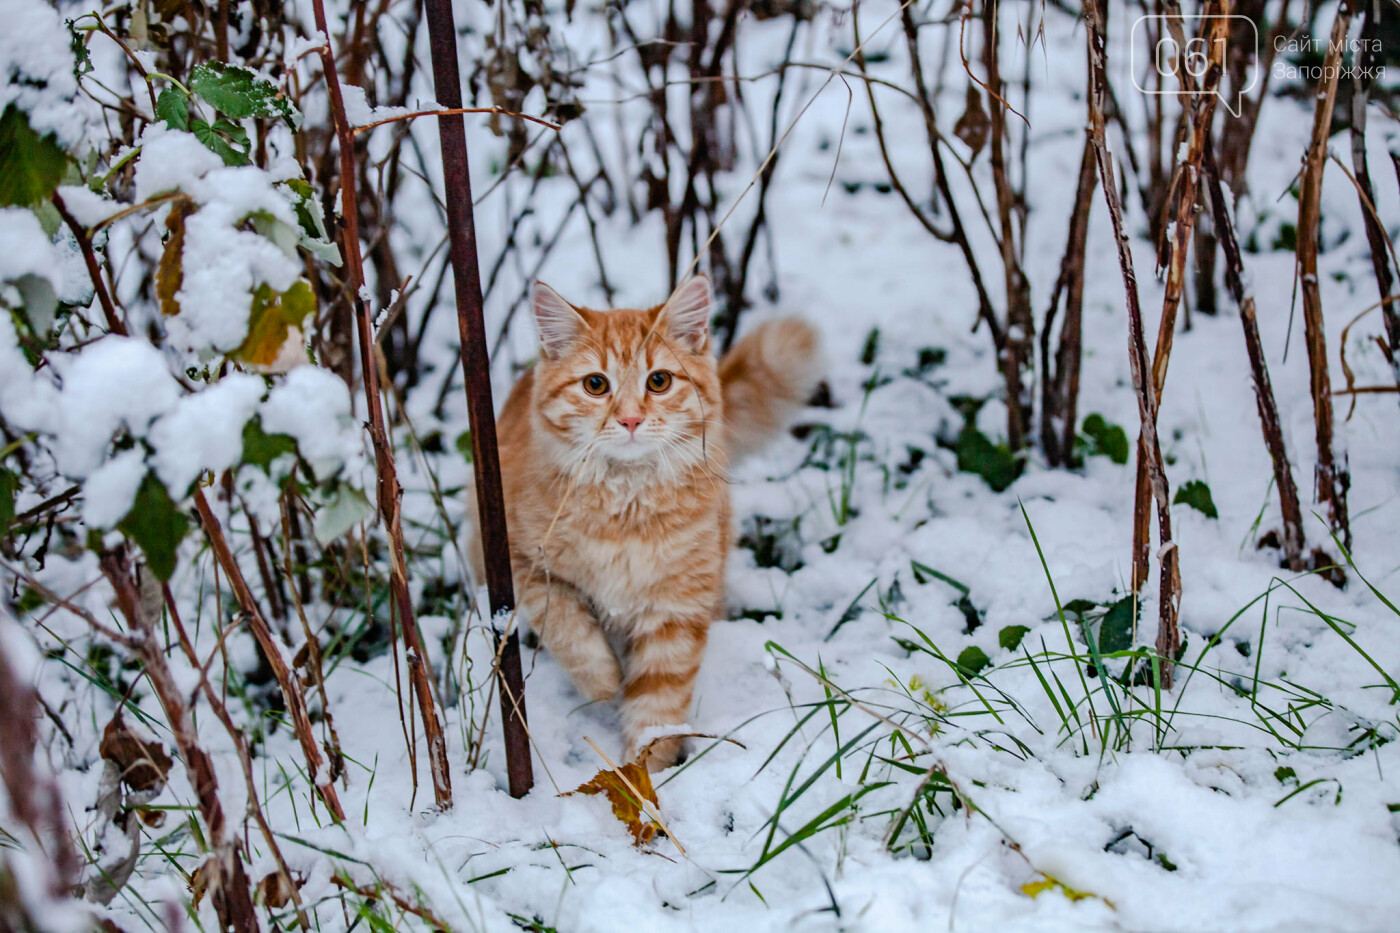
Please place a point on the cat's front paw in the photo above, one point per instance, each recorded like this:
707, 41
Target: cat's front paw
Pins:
662, 753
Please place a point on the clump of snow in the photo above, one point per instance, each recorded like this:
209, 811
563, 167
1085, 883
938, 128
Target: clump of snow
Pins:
38, 66
118, 382
313, 406
204, 431
110, 490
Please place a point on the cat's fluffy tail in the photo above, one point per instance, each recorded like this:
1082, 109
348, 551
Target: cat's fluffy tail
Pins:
767, 377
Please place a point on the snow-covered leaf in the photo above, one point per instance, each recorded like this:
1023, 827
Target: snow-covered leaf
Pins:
345, 509
618, 786
275, 340
238, 92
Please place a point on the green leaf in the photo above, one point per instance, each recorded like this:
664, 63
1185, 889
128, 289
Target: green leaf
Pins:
1197, 495
346, 508
993, 462
173, 107
33, 164
9, 488
238, 92
973, 659
1105, 439
217, 142
871, 348
157, 525
1010, 637
260, 448
1080, 606
464, 445
1116, 626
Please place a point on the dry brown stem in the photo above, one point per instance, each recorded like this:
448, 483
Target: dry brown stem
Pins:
1137, 345
389, 492
1332, 479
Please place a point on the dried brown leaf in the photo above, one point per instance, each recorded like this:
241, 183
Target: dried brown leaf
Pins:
274, 890
170, 272
143, 763
974, 125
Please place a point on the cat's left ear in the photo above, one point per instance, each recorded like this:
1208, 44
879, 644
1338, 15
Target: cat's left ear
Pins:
687, 314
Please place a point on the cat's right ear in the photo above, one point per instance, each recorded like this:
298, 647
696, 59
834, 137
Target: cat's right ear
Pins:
560, 325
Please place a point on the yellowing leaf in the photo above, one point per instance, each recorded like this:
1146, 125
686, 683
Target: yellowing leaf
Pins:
625, 805
170, 272
1048, 883
275, 335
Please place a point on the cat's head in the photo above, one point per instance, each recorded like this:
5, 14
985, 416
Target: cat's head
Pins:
636, 387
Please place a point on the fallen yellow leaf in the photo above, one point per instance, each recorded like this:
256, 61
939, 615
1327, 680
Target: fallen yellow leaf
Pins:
625, 805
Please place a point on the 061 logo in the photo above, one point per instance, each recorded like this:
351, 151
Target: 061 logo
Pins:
1154, 36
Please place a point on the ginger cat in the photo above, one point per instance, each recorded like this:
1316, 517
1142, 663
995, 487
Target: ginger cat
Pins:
613, 455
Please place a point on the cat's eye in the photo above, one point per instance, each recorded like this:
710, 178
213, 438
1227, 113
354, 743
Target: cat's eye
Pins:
659, 381
596, 384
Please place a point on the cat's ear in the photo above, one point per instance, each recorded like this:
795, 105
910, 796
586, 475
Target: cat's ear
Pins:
687, 314
560, 325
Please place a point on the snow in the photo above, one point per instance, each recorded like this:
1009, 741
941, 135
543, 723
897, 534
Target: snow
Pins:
223, 265
1232, 833
313, 406
24, 249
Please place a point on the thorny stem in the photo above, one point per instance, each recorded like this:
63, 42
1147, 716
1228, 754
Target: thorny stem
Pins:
1293, 541
1332, 480
292, 693
390, 492
1137, 345
228, 882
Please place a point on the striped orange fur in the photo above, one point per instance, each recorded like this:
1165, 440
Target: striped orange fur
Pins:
614, 452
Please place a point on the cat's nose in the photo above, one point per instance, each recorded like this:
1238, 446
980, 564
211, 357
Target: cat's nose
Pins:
631, 424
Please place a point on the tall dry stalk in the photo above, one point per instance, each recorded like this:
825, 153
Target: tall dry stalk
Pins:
1137, 344
1017, 356
1293, 540
1331, 478
1059, 383
1200, 107
292, 694
1366, 194
227, 880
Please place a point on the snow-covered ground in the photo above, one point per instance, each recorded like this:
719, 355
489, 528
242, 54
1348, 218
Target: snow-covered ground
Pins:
1259, 794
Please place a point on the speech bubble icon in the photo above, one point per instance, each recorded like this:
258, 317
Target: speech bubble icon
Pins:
1167, 58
